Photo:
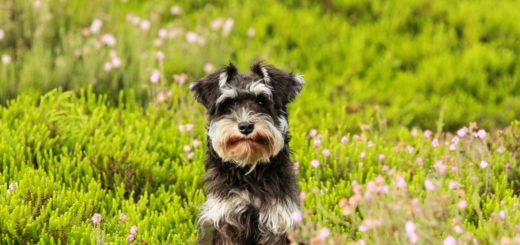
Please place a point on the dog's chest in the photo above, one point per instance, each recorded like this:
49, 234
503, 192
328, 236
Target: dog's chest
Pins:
273, 215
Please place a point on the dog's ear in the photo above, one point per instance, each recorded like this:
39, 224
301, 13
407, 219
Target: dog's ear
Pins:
208, 88
286, 86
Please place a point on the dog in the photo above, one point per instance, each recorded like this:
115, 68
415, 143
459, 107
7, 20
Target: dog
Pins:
251, 188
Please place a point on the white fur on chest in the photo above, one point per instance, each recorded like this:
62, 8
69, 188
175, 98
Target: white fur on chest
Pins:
274, 216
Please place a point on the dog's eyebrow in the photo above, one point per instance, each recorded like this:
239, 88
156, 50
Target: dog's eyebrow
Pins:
258, 87
227, 93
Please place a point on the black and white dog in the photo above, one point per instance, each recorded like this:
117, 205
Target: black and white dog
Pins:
251, 186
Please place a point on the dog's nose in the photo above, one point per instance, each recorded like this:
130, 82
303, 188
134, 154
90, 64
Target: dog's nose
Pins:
246, 127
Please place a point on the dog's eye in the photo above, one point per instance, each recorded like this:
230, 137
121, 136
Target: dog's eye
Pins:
261, 100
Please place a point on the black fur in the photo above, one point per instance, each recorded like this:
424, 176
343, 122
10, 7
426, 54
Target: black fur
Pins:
273, 181
268, 181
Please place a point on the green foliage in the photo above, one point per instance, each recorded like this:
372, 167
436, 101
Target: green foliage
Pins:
407, 60
73, 155
126, 138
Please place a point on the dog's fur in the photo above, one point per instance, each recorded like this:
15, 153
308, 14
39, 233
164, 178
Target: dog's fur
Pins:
251, 187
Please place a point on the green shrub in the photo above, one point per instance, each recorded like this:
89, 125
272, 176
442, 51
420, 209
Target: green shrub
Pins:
67, 156
410, 60
125, 142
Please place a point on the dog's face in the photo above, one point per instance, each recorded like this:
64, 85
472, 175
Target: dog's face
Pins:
247, 111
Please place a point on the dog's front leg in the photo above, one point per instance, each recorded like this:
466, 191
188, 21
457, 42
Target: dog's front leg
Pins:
275, 219
227, 220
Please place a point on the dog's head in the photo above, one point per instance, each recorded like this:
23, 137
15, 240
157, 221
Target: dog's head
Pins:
247, 111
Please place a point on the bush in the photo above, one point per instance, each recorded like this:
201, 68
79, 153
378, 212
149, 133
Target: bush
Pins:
411, 61
66, 157
101, 141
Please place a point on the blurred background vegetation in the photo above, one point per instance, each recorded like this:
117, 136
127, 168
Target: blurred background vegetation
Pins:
408, 63
124, 136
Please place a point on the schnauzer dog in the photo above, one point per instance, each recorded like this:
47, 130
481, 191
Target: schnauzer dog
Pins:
251, 187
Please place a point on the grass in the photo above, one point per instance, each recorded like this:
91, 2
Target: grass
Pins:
74, 155
391, 88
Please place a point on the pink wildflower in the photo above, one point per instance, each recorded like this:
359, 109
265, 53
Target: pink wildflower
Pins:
130, 237
297, 216
428, 133
303, 196
429, 185
362, 155
208, 67
191, 37
453, 147
481, 134
410, 232
344, 140
162, 33
455, 140
324, 233
347, 211
410, 149
109, 40
96, 25
441, 168
484, 164
145, 25
155, 76
175, 10
449, 240
123, 217
414, 132
107, 66
326, 152
453, 184
160, 55
419, 160
401, 183
462, 132
228, 25
501, 149
296, 165
462, 204
315, 163
6, 59
96, 218
180, 78
382, 157
313, 132
217, 23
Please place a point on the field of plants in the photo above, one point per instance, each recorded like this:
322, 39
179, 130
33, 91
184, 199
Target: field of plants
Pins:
406, 131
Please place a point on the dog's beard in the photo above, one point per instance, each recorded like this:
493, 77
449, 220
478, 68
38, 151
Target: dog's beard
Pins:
264, 142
